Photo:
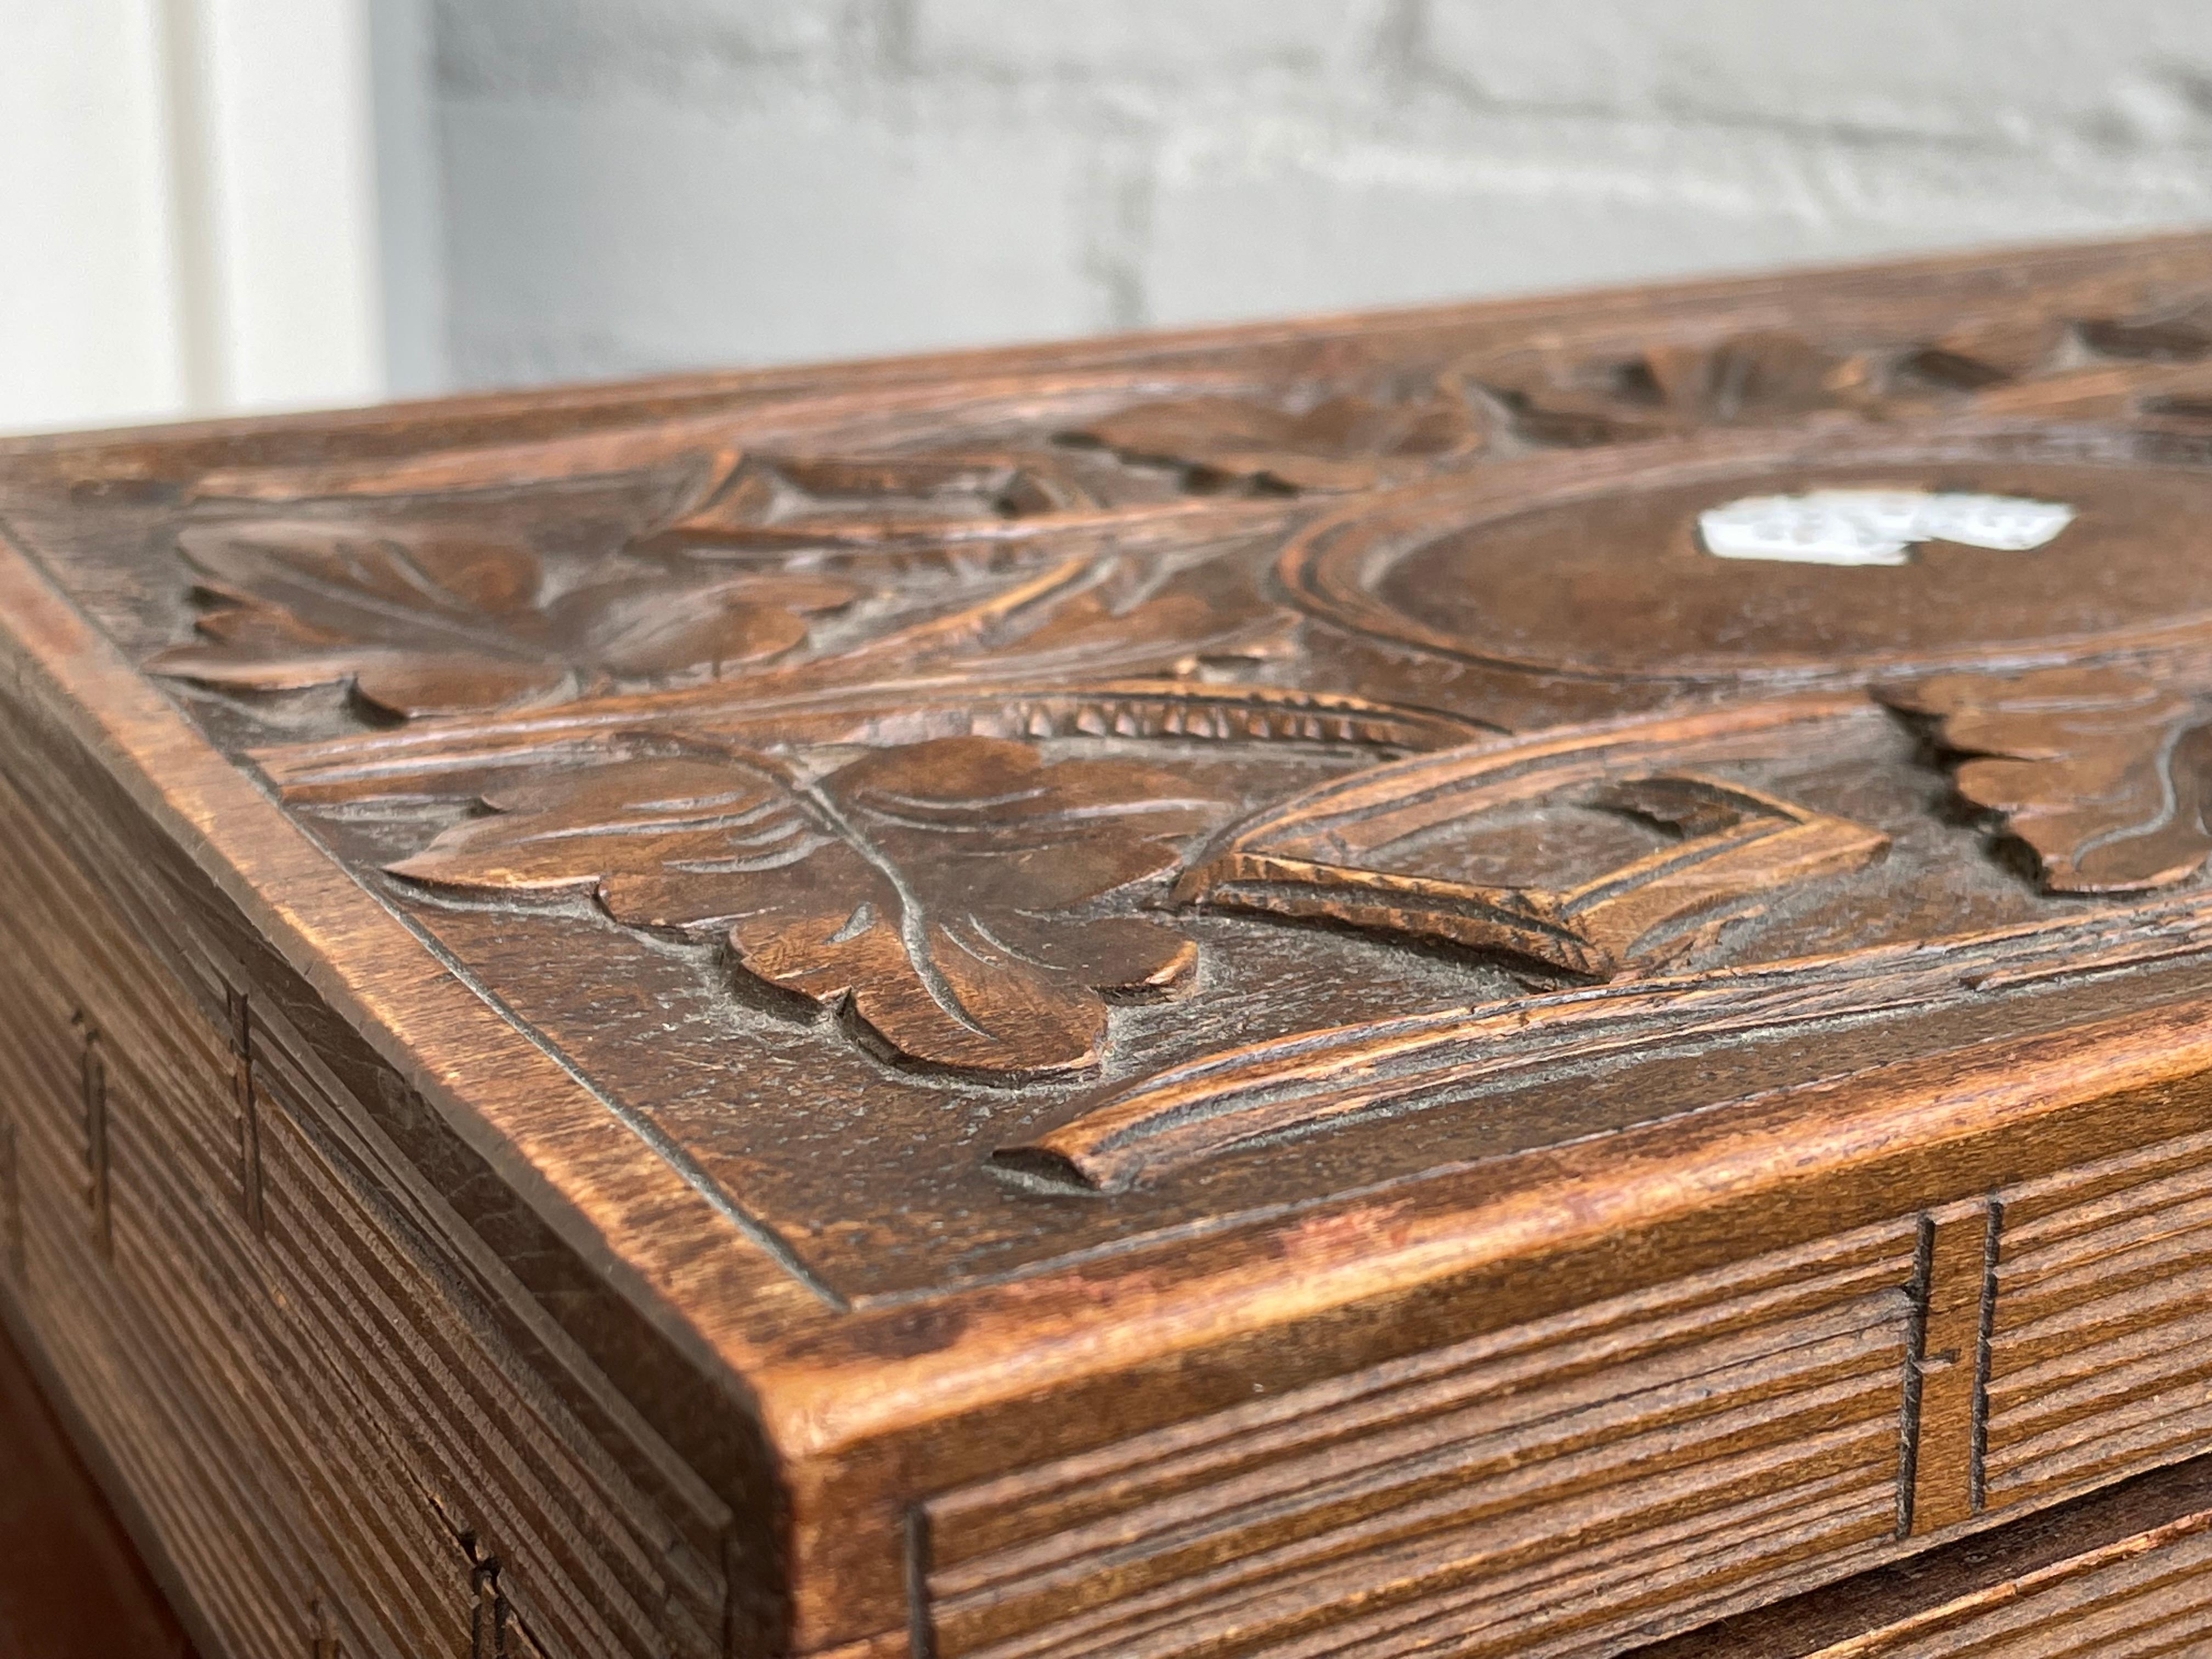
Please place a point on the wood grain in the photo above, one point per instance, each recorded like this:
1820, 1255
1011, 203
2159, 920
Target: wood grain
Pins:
305, 1375
1530, 1493
1213, 995
2120, 1572
2101, 1283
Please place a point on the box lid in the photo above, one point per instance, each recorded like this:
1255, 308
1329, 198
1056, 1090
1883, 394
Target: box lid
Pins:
1016, 901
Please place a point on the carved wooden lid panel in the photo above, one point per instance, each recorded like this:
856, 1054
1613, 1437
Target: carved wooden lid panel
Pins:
981, 813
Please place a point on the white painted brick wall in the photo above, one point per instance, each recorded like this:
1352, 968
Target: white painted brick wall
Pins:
634, 184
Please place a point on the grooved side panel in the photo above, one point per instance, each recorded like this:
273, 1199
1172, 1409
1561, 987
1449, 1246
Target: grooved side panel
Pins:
190, 1402
1529, 1493
2100, 1356
326, 1439
2145, 1599
2124, 1571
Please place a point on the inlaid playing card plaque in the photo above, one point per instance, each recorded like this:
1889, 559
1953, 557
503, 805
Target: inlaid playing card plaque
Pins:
1489, 982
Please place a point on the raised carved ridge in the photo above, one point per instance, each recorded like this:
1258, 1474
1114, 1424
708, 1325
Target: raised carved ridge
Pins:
700, 446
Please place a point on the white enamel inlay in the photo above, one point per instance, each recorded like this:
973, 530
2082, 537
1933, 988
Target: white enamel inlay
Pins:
1874, 526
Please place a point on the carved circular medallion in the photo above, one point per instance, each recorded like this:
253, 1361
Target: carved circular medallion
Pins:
1861, 557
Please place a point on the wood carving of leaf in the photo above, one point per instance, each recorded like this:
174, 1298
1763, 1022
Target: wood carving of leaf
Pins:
2105, 776
923, 890
421, 622
426, 622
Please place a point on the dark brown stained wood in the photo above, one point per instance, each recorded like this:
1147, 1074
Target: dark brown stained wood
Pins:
821, 874
1497, 981
72, 1586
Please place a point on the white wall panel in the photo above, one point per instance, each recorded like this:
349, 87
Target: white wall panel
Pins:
277, 180
188, 200
89, 322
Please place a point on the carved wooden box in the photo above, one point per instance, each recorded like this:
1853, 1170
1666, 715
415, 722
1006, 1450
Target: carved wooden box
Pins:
1509, 981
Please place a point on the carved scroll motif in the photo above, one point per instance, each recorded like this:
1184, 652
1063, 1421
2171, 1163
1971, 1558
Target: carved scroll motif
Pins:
924, 891
1312, 1081
2105, 776
1324, 854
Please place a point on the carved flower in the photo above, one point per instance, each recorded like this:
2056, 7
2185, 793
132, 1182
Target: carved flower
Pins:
921, 889
432, 621
1346, 443
2105, 776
